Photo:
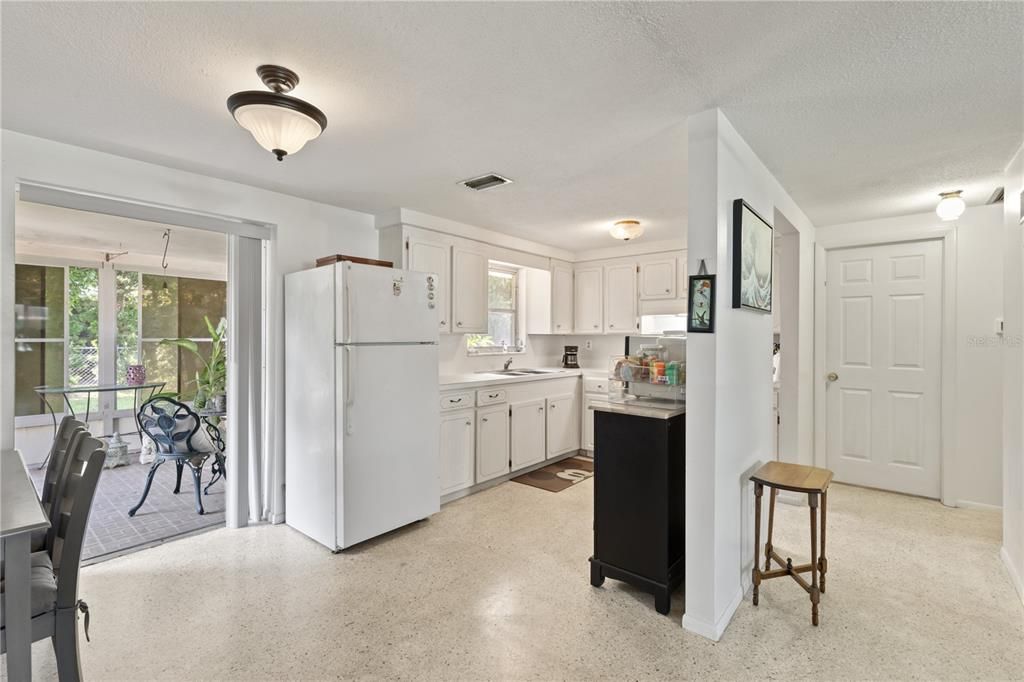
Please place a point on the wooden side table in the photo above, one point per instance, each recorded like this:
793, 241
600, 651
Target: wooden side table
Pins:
797, 478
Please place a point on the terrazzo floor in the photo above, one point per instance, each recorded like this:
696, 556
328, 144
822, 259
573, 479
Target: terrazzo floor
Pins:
496, 587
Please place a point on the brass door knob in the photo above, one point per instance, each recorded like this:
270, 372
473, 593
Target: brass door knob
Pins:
832, 376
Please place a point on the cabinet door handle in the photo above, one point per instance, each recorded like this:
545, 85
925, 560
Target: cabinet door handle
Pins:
455, 400
668, 291
493, 395
611, 326
540, 409
469, 423
458, 324
595, 326
554, 406
443, 323
483, 419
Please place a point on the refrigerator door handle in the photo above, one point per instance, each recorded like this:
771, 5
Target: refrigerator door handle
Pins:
349, 398
348, 312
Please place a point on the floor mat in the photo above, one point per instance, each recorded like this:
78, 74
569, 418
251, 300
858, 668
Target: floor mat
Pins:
560, 475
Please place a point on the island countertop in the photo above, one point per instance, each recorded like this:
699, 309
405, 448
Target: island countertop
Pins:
639, 407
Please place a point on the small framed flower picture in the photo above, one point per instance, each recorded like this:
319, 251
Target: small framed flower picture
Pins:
701, 316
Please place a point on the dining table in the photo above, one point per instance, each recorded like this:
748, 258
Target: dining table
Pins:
21, 514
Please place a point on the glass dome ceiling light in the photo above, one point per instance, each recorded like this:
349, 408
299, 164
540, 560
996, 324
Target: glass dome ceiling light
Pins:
279, 123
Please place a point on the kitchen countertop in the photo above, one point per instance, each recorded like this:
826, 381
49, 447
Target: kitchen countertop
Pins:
452, 382
622, 404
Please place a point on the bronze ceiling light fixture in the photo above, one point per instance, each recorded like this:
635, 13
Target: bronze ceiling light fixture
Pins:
279, 123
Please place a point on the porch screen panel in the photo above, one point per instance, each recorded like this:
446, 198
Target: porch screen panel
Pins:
38, 334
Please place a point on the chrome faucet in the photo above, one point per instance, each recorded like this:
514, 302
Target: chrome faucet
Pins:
508, 363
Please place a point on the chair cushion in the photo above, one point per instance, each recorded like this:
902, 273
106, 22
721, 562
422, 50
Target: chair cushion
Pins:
38, 541
43, 585
38, 558
168, 424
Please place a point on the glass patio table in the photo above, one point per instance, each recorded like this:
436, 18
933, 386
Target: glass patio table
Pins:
45, 392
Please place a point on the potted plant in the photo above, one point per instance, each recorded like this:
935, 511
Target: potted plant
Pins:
212, 375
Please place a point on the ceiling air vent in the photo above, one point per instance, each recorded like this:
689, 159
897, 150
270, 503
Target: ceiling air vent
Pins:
489, 181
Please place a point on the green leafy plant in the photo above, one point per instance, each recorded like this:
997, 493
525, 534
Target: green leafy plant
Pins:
212, 375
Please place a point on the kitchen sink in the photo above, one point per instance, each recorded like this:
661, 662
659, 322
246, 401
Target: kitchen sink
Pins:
517, 372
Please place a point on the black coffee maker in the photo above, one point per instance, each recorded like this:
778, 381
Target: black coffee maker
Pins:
570, 358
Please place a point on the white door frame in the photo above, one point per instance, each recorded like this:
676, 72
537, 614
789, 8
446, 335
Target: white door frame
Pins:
947, 434
238, 502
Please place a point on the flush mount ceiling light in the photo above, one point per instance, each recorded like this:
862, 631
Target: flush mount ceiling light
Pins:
627, 229
951, 206
280, 123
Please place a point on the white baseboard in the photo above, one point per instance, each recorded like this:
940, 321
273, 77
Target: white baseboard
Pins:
1015, 577
967, 504
713, 631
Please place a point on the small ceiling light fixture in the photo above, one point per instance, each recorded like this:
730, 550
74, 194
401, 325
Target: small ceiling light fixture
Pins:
951, 206
627, 229
280, 123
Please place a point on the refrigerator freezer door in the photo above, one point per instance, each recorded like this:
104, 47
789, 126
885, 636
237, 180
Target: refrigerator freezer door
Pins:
382, 305
388, 429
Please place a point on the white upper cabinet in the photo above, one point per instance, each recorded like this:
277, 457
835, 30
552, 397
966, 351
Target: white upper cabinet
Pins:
562, 295
620, 304
588, 313
429, 256
658, 279
469, 291
654, 278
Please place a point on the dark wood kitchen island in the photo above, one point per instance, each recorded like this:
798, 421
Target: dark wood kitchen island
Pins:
639, 459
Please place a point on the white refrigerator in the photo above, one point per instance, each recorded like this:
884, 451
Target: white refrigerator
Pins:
361, 401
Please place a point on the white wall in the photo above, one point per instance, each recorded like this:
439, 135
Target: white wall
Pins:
1013, 373
729, 375
977, 454
304, 231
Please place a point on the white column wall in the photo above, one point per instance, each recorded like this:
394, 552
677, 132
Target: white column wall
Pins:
1013, 372
729, 375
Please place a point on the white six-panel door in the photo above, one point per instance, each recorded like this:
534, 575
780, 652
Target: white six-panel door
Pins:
882, 359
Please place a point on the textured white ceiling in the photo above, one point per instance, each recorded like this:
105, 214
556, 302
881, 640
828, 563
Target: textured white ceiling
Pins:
45, 230
860, 109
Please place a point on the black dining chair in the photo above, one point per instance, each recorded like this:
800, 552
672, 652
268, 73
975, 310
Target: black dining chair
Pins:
172, 425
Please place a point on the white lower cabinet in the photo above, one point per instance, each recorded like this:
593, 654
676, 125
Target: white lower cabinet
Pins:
527, 430
563, 424
491, 442
457, 451
588, 424
515, 426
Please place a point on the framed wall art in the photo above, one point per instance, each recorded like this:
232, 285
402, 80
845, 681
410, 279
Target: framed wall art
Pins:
752, 252
700, 318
